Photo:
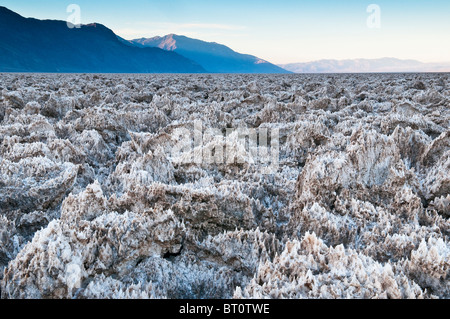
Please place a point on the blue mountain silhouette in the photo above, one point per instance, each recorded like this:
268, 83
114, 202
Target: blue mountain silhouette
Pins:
214, 57
31, 45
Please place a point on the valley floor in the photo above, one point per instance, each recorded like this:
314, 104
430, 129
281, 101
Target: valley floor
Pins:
221, 186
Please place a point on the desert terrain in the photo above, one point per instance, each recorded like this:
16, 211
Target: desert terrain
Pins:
140, 186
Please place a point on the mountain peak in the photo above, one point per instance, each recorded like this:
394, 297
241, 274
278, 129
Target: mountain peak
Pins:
6, 10
214, 57
168, 43
6, 13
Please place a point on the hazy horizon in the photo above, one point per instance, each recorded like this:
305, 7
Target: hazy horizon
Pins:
283, 32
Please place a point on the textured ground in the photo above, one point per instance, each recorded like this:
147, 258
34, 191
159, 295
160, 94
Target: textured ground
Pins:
93, 204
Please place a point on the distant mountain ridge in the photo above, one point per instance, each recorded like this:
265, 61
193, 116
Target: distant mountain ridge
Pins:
31, 45
214, 57
366, 66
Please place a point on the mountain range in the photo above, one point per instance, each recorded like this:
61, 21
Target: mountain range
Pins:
31, 45
214, 57
383, 65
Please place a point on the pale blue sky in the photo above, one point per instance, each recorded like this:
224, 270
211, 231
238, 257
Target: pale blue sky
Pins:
281, 31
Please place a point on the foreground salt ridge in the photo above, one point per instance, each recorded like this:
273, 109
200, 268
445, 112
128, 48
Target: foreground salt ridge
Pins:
94, 205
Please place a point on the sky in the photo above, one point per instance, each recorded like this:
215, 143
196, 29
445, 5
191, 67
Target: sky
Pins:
279, 31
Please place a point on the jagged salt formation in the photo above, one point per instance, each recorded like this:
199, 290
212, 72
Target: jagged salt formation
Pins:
96, 203
310, 269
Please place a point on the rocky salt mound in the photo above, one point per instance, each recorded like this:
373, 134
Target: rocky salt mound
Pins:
95, 204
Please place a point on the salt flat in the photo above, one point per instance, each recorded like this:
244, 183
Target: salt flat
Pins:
220, 186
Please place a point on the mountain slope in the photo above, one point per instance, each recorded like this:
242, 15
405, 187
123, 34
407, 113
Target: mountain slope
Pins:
365, 65
31, 45
214, 57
